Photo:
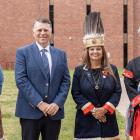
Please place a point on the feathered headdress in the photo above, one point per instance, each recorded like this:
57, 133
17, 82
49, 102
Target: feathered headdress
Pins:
93, 30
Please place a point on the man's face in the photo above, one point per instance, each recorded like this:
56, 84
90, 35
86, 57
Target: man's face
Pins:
42, 33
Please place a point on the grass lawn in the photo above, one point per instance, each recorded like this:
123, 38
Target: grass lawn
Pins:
11, 123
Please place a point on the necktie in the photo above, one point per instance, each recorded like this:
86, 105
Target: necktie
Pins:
45, 60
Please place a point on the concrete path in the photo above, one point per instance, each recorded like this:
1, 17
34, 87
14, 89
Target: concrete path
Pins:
124, 102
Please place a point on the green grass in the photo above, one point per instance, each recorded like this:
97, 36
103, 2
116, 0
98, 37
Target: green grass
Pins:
120, 70
11, 123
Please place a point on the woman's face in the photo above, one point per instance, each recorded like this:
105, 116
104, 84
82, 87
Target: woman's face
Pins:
95, 53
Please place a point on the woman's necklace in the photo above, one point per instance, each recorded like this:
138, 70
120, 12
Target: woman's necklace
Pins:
96, 78
96, 84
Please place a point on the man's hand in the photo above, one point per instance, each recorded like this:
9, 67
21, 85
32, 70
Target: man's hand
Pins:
43, 107
52, 109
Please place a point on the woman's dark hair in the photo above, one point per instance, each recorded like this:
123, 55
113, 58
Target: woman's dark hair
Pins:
105, 65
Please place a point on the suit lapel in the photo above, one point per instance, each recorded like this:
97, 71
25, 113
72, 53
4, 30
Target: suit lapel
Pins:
54, 60
90, 79
88, 75
102, 82
100, 92
38, 59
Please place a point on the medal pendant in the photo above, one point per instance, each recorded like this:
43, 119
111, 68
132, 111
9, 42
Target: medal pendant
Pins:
96, 87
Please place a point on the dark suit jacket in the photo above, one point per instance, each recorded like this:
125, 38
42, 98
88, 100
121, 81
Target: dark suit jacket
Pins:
32, 82
1, 79
83, 92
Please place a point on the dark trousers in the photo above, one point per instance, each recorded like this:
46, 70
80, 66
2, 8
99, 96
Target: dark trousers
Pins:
31, 129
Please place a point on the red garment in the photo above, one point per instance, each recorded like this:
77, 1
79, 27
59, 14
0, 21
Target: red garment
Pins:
127, 73
132, 81
136, 126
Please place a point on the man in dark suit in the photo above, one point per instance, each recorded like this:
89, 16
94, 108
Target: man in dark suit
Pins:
43, 82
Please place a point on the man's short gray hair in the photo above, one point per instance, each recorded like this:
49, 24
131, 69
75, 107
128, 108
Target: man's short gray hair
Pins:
43, 20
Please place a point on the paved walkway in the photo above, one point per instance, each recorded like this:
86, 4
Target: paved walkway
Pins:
124, 102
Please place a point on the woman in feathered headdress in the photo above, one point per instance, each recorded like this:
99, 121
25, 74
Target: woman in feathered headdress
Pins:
96, 87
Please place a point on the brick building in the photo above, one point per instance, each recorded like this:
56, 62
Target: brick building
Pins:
16, 19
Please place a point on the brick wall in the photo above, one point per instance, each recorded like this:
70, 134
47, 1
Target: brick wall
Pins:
16, 19
68, 28
112, 15
136, 19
